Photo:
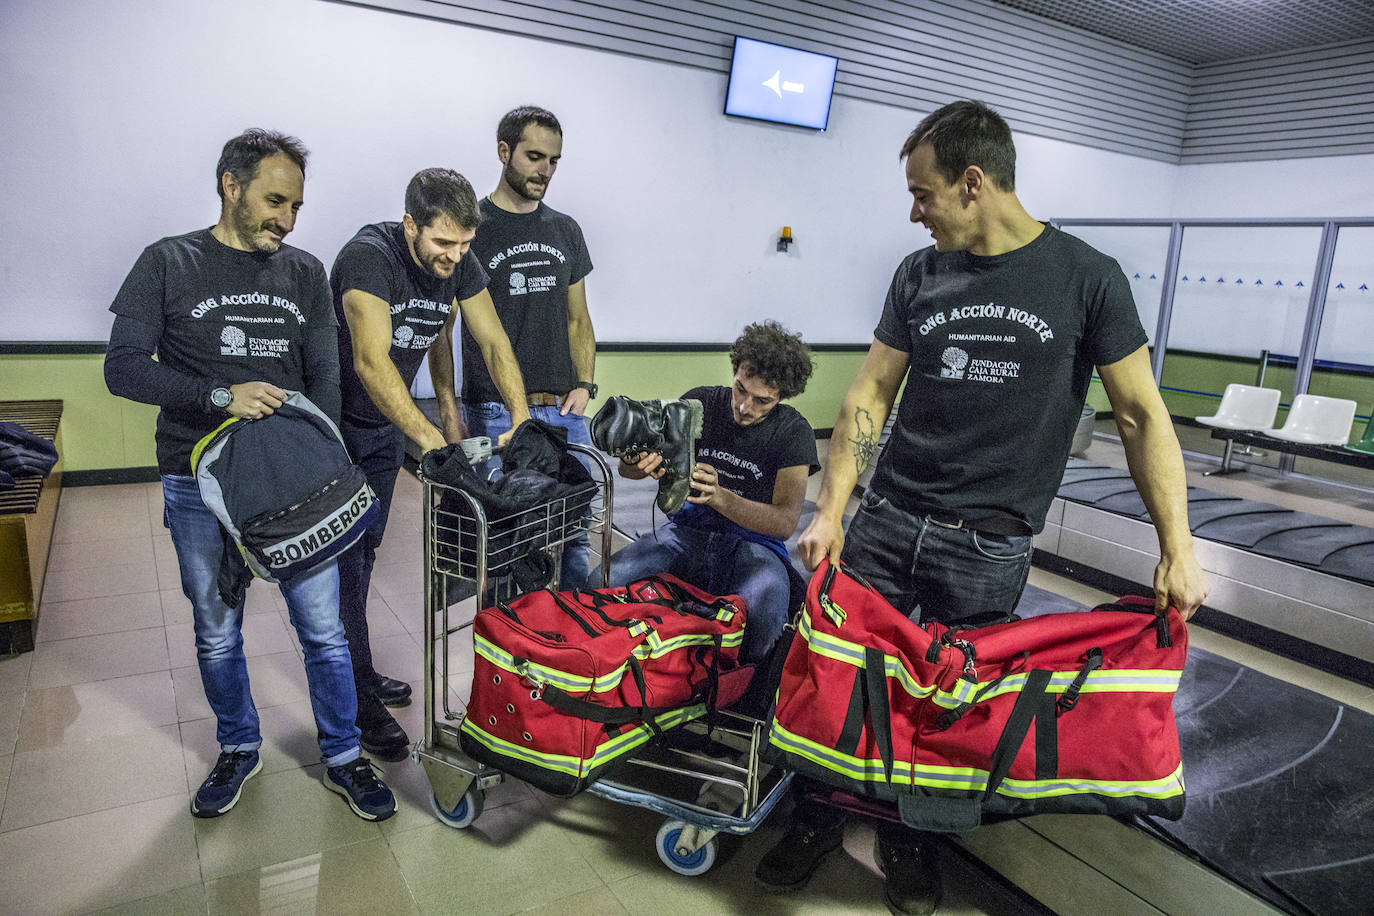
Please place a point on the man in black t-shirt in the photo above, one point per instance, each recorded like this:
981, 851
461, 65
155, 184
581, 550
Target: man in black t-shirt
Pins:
996, 330
398, 288
749, 482
538, 263
235, 319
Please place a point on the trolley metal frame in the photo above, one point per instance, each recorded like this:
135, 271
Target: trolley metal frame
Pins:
732, 795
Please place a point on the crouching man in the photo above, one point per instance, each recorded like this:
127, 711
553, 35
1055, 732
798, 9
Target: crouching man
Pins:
748, 485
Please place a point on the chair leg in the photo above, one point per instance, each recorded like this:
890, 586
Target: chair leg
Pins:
1226, 456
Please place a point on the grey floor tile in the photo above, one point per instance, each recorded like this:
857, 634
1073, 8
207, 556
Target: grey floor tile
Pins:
83, 712
84, 659
99, 859
66, 780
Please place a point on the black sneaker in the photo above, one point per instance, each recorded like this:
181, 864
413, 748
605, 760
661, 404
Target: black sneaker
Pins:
790, 864
912, 885
391, 691
358, 782
386, 740
222, 787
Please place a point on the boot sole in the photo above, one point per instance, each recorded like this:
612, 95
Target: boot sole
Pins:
391, 753
697, 413
395, 702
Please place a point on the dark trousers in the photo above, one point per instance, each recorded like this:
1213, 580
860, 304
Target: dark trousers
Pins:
929, 571
379, 452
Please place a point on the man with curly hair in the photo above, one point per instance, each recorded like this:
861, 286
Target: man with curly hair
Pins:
749, 482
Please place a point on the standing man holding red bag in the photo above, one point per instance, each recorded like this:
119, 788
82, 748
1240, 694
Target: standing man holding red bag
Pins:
996, 330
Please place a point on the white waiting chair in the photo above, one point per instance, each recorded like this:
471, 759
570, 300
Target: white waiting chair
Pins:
1245, 407
1315, 420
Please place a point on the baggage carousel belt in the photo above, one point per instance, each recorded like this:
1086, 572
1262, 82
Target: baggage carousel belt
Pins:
1300, 538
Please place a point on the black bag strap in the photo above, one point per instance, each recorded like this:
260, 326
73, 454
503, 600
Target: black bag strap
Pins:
1033, 703
577, 618
1091, 662
608, 715
879, 710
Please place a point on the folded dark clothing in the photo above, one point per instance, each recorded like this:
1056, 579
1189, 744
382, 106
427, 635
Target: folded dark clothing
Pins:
24, 466
6, 481
537, 470
24, 451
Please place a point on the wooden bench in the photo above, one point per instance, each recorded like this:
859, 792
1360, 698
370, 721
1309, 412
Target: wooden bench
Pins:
27, 514
1334, 453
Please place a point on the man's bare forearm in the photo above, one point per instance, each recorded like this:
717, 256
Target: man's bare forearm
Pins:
582, 348
441, 374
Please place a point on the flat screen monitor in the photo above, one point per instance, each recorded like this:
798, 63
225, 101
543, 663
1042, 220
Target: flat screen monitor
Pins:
774, 83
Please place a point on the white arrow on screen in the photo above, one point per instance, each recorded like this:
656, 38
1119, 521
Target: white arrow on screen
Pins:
779, 85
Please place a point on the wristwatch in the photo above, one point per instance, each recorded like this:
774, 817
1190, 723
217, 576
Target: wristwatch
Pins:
591, 387
221, 397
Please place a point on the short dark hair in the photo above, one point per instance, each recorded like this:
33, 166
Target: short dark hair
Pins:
442, 191
242, 155
769, 351
964, 134
513, 124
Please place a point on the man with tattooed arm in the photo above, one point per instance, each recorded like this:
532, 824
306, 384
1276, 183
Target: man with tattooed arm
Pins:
996, 330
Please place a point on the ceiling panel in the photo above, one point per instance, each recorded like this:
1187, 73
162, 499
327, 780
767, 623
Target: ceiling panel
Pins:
1208, 31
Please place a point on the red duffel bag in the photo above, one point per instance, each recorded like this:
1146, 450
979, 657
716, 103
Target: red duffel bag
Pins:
566, 684
1064, 713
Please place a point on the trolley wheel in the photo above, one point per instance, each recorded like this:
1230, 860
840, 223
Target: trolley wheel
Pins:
464, 813
693, 863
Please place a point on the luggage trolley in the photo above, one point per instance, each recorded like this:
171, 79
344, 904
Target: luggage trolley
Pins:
701, 794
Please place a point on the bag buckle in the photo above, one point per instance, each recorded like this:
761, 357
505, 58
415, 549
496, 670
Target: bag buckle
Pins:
522, 670
966, 647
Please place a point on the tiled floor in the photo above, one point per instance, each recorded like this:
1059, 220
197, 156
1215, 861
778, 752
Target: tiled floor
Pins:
105, 732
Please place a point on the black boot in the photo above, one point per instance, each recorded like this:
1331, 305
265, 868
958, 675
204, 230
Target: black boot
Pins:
627, 428
907, 858
381, 735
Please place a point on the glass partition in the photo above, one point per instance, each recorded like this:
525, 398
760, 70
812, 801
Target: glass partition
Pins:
1239, 308
1344, 359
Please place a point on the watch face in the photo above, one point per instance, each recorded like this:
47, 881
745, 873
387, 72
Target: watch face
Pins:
221, 397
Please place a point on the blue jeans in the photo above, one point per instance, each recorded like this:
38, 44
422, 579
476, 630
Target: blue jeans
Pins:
722, 564
379, 452
313, 602
492, 419
930, 571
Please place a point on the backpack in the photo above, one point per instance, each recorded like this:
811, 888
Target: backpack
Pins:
284, 488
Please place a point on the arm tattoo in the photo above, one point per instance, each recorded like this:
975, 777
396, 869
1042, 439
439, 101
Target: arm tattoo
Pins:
865, 441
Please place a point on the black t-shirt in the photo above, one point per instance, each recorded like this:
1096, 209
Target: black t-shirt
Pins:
1002, 349
747, 458
221, 315
532, 258
377, 261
